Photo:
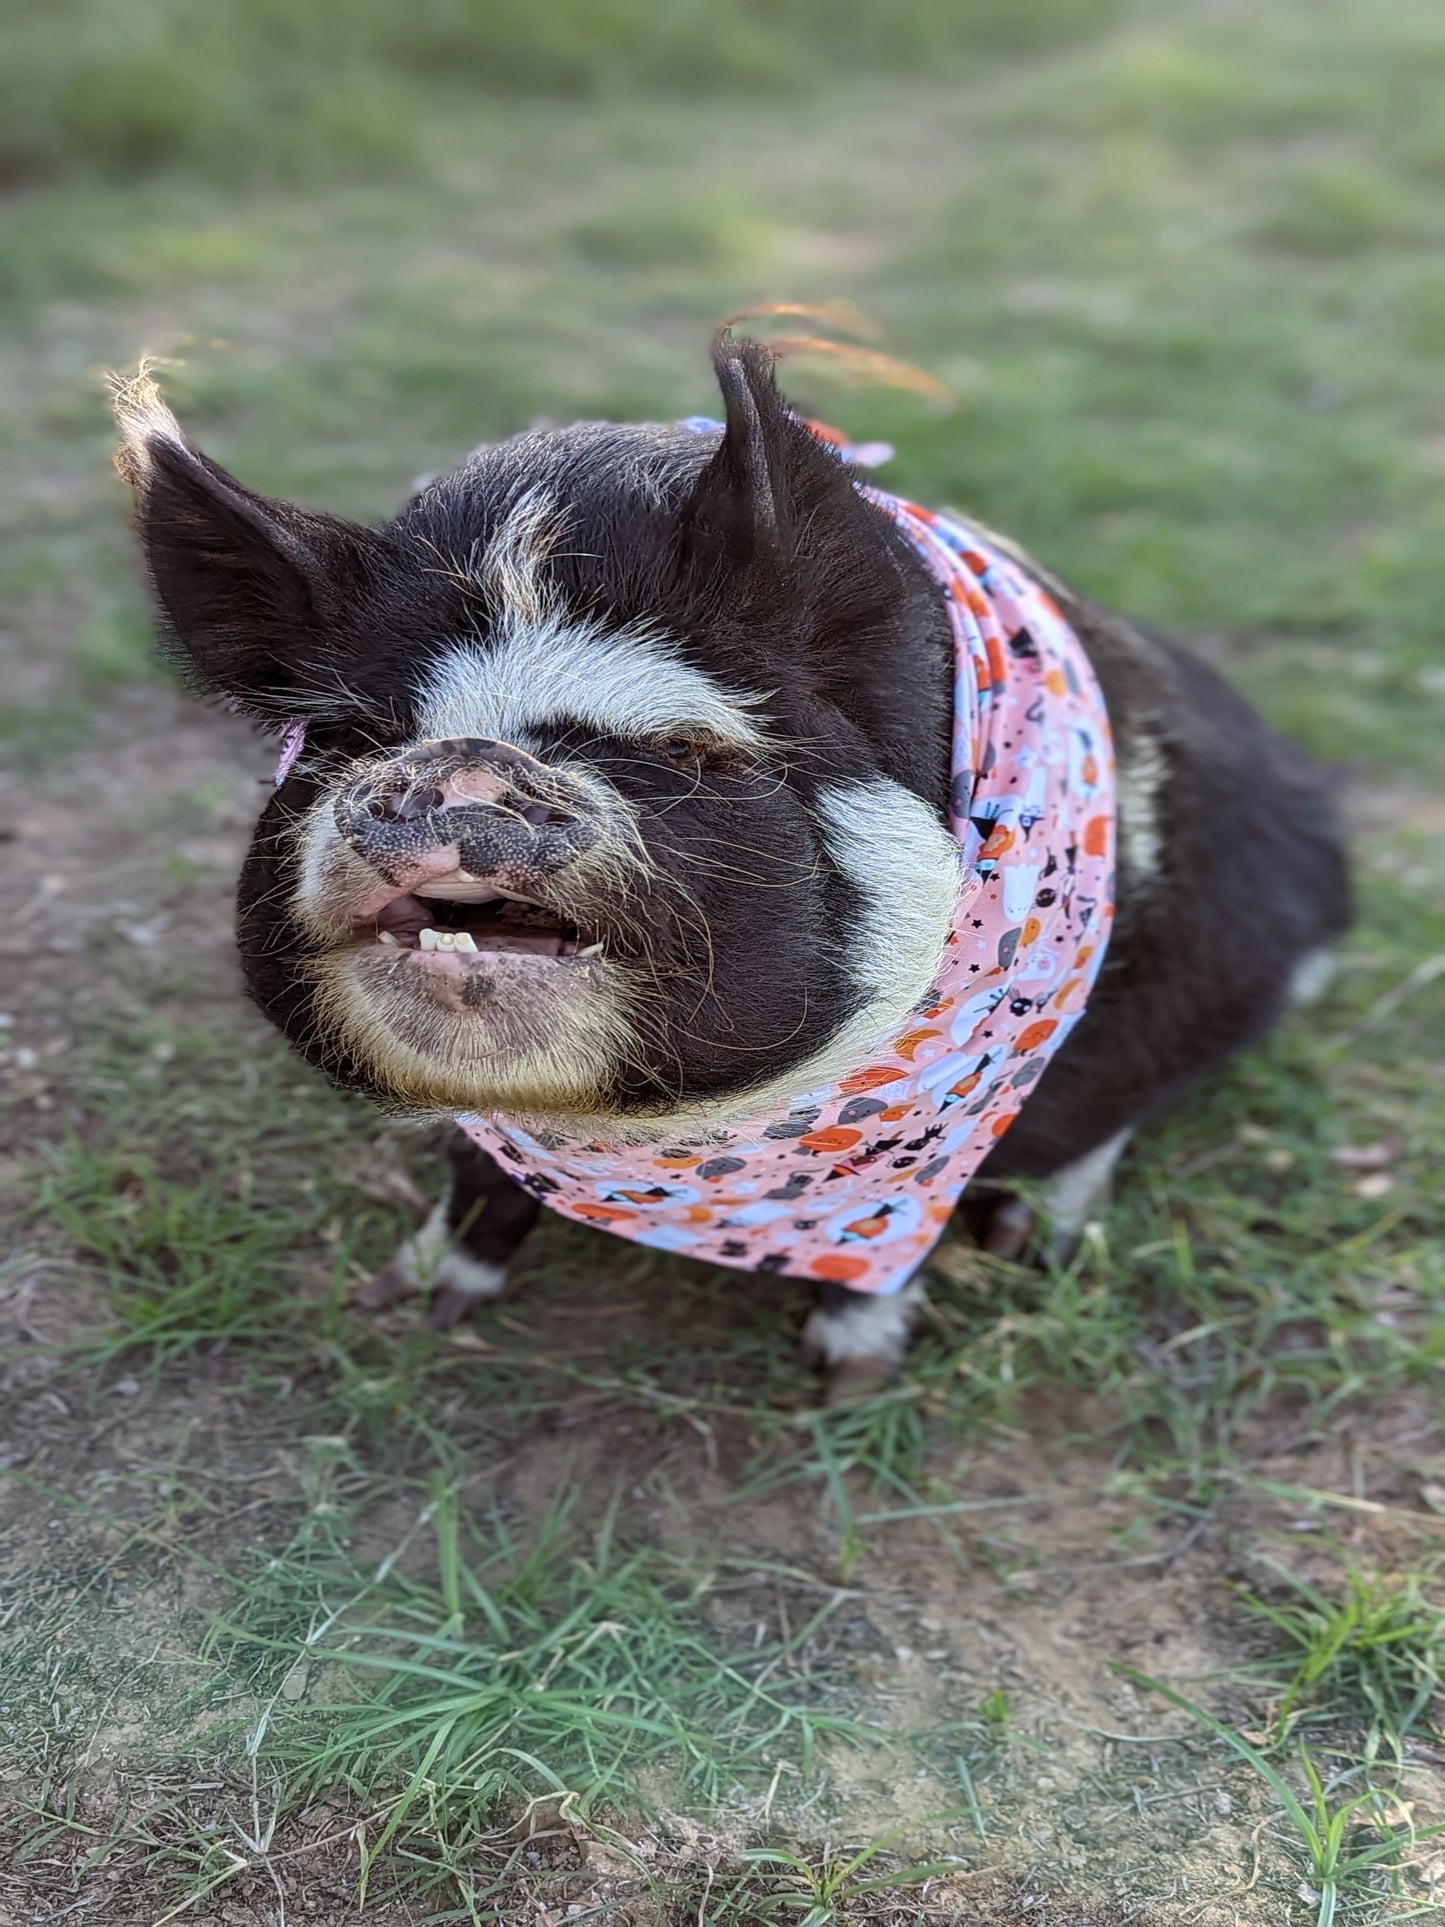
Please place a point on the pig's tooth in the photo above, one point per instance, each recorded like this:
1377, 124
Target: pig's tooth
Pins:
592, 950
428, 939
445, 939
462, 940
385, 936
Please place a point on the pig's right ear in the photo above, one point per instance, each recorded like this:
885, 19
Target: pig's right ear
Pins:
250, 587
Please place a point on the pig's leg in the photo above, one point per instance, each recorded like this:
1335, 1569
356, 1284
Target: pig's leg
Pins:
858, 1339
1003, 1224
459, 1257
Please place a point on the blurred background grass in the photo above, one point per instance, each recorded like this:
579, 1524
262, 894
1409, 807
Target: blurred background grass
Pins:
268, 89
1180, 264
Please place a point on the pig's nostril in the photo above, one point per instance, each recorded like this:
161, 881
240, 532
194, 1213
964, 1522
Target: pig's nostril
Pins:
405, 803
541, 815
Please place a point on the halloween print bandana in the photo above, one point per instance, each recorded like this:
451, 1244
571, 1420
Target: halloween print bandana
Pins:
854, 1183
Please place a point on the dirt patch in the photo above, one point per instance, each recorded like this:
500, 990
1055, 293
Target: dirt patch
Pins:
1092, 1798
127, 862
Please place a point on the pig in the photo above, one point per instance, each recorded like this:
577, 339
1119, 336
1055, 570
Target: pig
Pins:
634, 813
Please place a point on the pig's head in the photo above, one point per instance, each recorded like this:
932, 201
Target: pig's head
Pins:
624, 787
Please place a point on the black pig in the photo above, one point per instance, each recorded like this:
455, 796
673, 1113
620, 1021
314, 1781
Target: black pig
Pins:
616, 738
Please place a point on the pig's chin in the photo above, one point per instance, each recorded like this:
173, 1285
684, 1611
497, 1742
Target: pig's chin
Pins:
457, 993
521, 1023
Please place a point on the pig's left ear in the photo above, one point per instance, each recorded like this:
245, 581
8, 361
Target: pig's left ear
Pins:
775, 520
250, 587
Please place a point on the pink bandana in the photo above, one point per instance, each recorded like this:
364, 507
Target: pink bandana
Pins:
855, 1182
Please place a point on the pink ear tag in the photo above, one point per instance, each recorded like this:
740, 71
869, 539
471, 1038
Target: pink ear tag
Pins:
292, 744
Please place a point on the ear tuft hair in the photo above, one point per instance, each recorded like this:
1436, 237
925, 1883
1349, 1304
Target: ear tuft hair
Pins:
249, 586
142, 417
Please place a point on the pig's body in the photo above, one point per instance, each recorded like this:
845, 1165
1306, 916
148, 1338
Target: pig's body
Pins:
613, 740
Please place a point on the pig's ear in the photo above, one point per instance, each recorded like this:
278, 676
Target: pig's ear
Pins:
775, 511
744, 500
250, 588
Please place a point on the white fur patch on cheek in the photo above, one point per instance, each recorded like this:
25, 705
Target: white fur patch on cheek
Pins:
330, 876
907, 871
905, 866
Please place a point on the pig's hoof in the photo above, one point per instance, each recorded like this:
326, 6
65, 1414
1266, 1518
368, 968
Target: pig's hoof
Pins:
385, 1287
461, 1282
1011, 1228
852, 1379
859, 1339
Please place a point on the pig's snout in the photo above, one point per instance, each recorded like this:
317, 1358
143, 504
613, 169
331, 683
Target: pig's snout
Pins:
499, 808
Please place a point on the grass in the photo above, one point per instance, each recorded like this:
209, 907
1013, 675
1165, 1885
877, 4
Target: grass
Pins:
816, 1894
1343, 1871
1362, 1659
511, 1673
185, 1265
194, 1255
257, 90
1201, 1301
1239, 1268
1202, 1307
1181, 273
1376, 1651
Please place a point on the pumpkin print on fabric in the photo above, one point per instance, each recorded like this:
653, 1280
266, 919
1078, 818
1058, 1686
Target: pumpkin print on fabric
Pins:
855, 1183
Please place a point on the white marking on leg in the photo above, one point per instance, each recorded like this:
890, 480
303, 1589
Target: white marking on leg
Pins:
1071, 1194
420, 1256
470, 1278
869, 1326
1311, 977
431, 1261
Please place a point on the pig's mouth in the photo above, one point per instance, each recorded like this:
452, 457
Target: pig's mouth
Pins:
444, 989
478, 920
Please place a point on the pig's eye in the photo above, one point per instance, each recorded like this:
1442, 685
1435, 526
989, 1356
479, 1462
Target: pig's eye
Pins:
688, 753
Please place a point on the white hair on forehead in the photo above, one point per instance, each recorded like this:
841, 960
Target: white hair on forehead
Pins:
539, 663
628, 683
509, 570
